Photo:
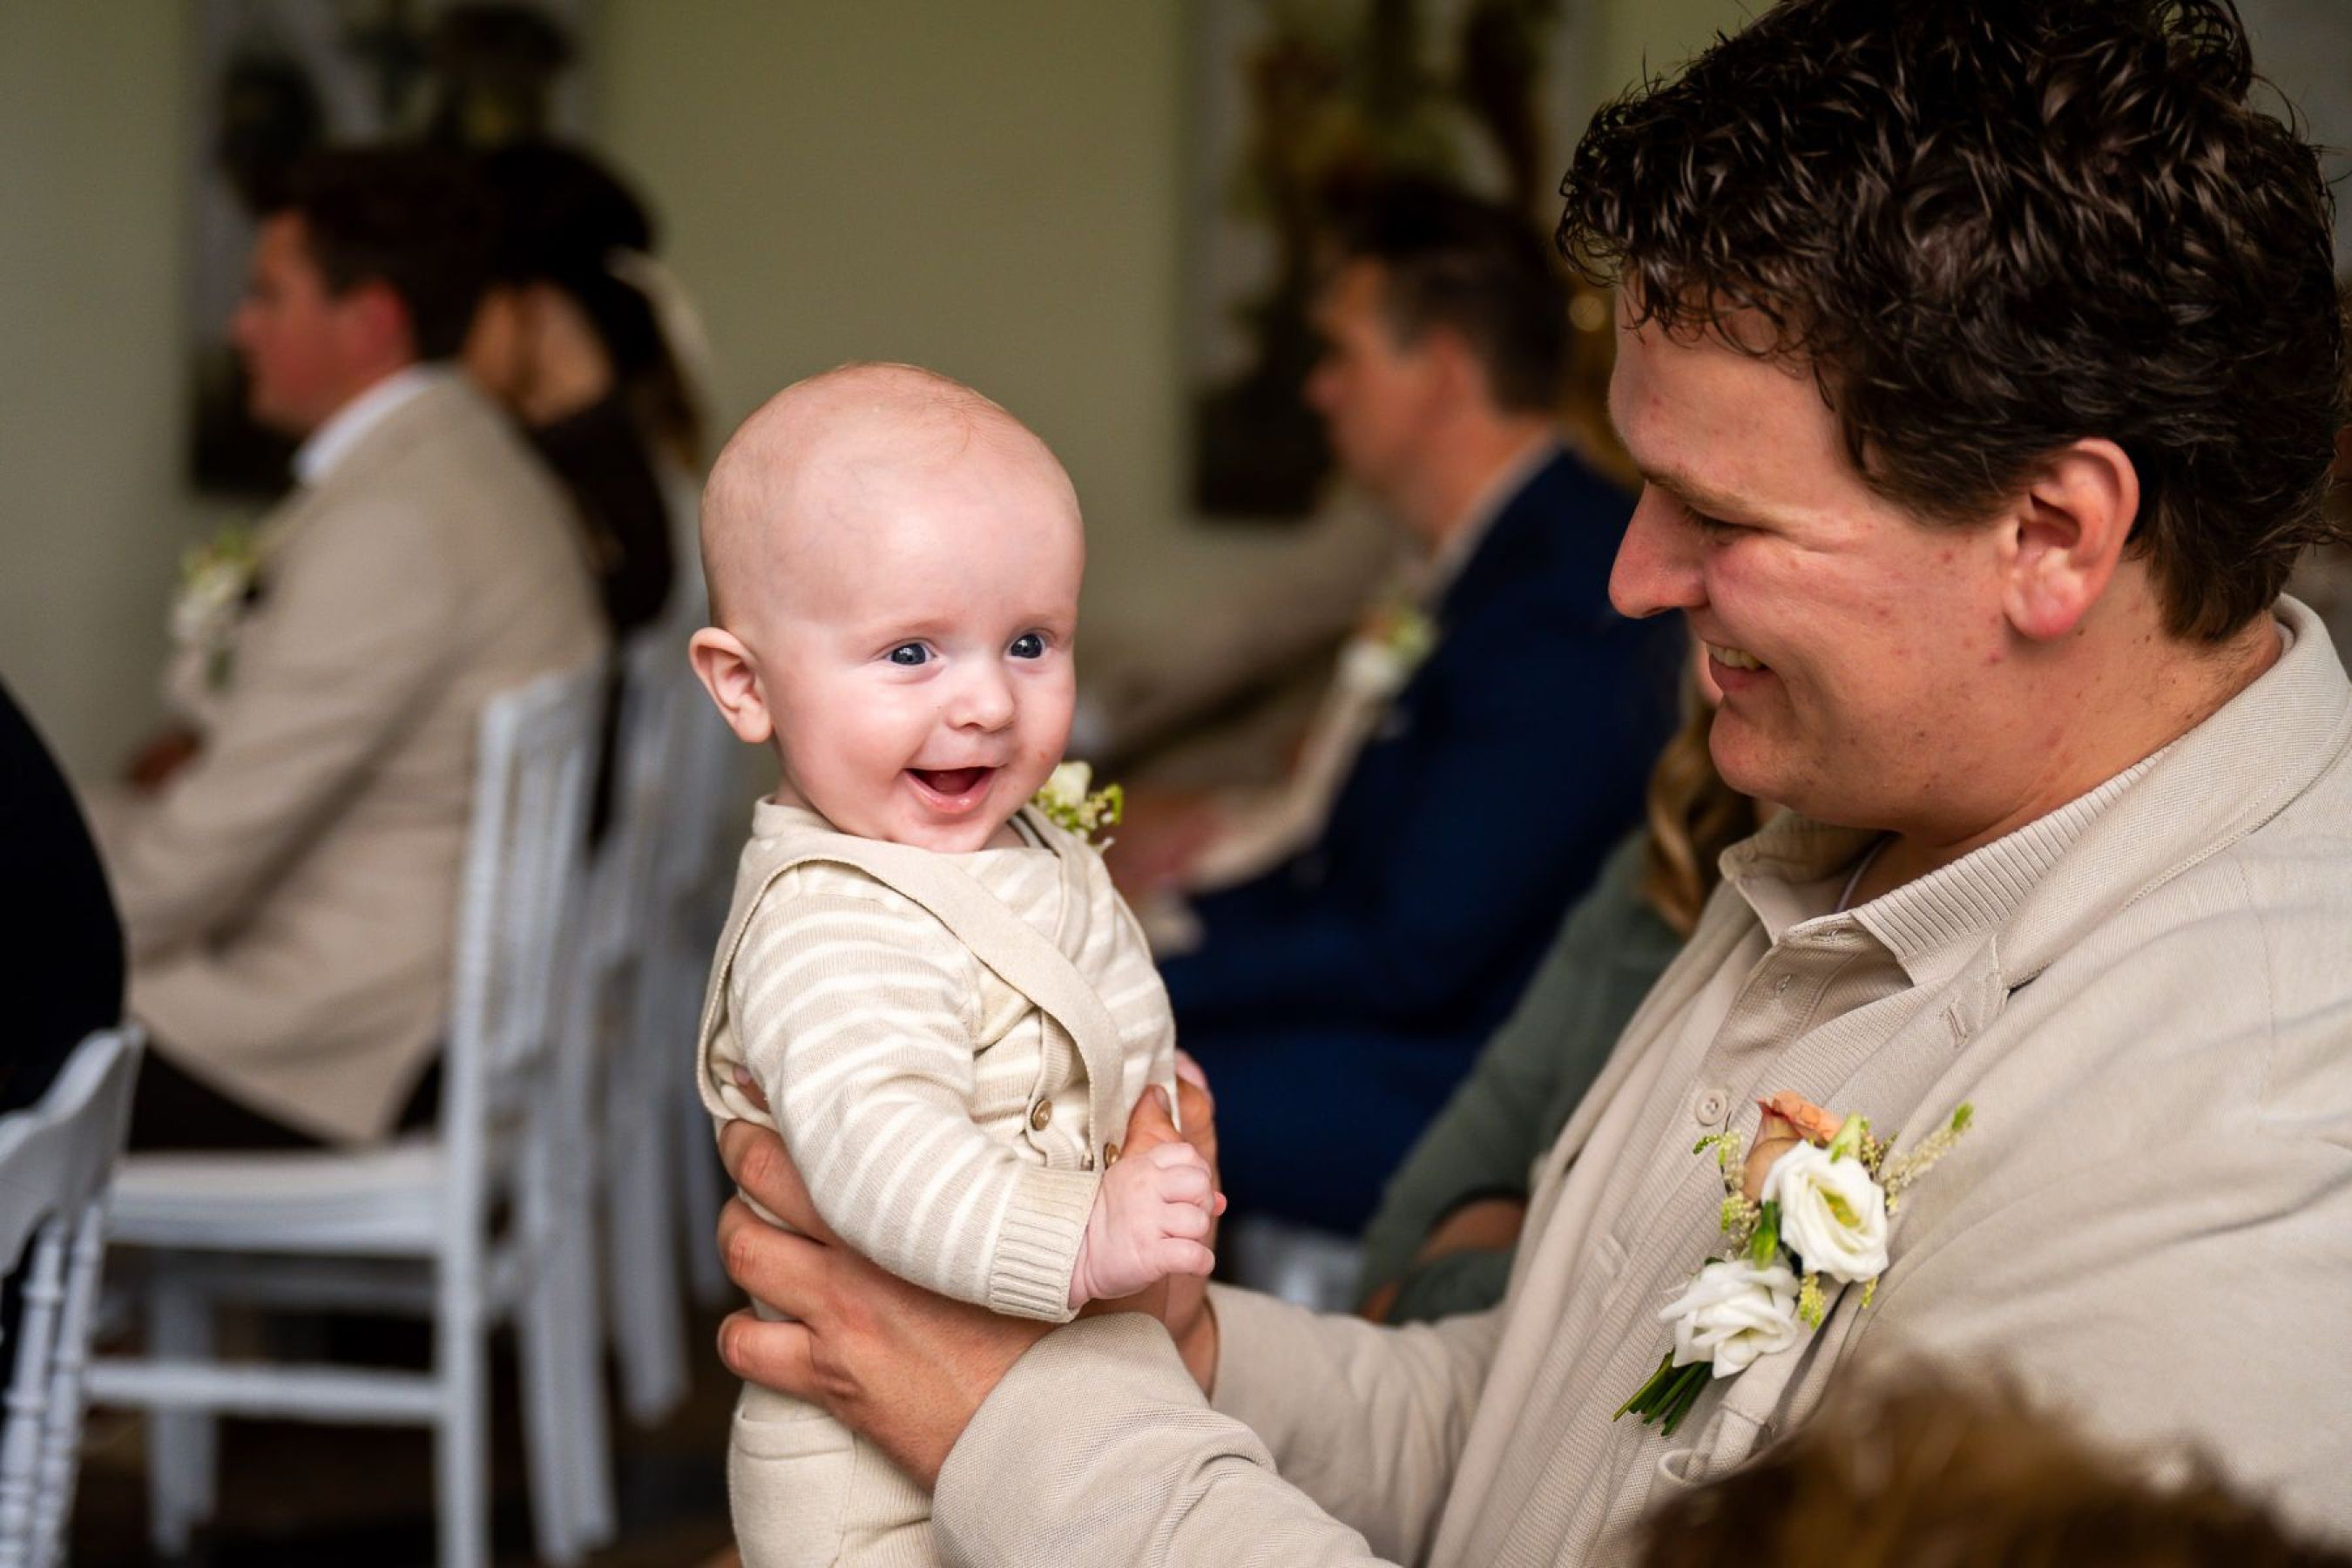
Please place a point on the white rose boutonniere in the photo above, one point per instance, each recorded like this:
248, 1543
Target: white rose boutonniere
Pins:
1732, 1313
1068, 799
1831, 1214
1393, 642
216, 578
1812, 1202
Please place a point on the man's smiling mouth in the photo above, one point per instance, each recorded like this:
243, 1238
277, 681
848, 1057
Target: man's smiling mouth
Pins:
1733, 658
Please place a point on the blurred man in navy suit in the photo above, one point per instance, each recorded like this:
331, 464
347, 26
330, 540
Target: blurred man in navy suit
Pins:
1486, 740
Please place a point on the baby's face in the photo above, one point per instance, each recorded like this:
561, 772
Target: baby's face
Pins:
917, 654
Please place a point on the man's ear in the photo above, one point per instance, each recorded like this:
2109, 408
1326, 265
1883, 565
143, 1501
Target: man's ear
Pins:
725, 667
2063, 536
380, 327
1456, 375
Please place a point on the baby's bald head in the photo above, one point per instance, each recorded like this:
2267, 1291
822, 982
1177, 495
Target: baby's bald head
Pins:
794, 486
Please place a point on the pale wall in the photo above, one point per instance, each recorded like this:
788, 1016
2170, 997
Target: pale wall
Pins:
993, 189
92, 513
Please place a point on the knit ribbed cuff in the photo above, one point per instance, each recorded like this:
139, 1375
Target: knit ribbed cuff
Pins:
1037, 1250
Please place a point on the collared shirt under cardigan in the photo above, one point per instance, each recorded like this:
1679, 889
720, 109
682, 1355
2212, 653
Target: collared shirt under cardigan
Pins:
2146, 997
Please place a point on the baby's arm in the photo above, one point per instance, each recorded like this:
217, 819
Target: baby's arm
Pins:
853, 1011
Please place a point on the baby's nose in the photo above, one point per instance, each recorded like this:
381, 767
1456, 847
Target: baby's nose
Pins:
984, 701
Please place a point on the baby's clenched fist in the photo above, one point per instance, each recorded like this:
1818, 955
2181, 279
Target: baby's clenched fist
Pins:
1151, 1220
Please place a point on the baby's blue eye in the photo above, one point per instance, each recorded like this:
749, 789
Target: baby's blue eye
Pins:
1028, 644
910, 654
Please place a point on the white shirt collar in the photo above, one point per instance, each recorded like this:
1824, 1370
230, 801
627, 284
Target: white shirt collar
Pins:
347, 427
1436, 574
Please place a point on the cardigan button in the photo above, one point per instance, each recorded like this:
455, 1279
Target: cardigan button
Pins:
1712, 1106
1040, 1115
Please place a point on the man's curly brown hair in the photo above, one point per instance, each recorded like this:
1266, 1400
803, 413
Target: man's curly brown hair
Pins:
1995, 227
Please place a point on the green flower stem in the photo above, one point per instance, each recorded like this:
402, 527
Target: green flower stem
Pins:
1669, 1394
1693, 1384
1642, 1397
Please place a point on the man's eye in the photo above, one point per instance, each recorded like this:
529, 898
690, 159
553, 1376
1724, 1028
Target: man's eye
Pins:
1028, 644
910, 654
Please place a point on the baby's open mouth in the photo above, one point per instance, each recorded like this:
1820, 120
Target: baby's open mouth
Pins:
951, 784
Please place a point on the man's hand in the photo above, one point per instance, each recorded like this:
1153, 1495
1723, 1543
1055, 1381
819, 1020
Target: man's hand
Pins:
1486, 1225
152, 766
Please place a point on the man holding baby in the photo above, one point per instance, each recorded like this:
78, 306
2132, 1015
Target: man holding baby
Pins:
1983, 363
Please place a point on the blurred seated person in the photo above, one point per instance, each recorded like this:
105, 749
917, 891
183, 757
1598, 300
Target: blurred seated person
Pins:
578, 336
1914, 1468
1447, 1229
1484, 746
289, 891
66, 945
66, 951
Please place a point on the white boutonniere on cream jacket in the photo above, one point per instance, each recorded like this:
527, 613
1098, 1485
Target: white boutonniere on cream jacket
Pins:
1810, 1202
216, 581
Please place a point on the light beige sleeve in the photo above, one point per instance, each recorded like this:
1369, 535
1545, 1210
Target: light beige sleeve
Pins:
1098, 1447
1331, 1441
351, 639
1367, 1420
856, 1014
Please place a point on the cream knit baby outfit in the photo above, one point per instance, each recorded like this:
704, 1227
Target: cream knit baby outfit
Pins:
951, 1044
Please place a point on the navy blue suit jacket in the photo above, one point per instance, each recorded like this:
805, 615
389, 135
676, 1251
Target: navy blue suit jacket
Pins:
1509, 766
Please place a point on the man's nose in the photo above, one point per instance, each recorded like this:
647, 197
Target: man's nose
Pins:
1657, 566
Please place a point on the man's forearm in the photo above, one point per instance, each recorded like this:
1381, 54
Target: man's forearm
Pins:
1366, 1421
1096, 1447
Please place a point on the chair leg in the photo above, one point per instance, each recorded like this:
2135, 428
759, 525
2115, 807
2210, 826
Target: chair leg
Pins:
184, 1444
461, 1458
558, 1332
587, 1425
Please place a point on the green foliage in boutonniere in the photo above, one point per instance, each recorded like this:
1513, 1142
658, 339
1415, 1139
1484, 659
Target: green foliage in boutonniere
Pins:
1067, 801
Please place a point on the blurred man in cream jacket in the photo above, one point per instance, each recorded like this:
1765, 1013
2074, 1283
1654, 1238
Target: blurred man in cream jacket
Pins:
289, 892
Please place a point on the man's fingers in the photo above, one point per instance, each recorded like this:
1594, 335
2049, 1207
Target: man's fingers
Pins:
1151, 1120
756, 1158
769, 1263
1189, 1071
773, 1355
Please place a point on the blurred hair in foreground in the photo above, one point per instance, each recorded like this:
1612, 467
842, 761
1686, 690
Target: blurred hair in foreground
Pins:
1921, 1470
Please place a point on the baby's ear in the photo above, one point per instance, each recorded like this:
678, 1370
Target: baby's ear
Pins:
728, 673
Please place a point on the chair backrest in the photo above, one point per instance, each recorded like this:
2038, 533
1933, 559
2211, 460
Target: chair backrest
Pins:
518, 902
57, 1162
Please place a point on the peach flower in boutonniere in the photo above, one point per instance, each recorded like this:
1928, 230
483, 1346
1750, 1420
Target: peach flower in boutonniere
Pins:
1788, 1119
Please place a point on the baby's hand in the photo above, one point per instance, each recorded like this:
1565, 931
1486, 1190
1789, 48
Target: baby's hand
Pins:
1150, 1214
